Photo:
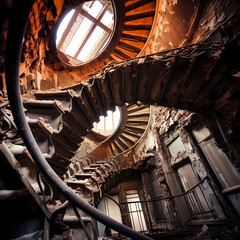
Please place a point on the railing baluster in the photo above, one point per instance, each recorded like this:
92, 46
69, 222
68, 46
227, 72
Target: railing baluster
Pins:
199, 204
148, 215
192, 198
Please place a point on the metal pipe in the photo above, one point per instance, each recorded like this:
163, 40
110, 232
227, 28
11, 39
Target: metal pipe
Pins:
106, 195
16, 166
17, 27
81, 222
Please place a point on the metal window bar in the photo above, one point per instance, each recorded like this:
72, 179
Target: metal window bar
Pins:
148, 216
140, 220
196, 208
136, 211
196, 205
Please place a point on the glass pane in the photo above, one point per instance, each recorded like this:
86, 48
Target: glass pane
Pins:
111, 209
63, 25
223, 168
116, 117
195, 198
107, 19
109, 121
100, 124
176, 146
135, 210
187, 176
90, 44
95, 9
81, 33
201, 133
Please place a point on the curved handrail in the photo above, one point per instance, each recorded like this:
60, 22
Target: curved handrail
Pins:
173, 196
106, 195
17, 27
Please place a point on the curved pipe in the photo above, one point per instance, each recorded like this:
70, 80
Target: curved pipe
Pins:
106, 195
17, 27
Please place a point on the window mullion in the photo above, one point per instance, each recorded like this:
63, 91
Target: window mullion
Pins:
68, 28
96, 22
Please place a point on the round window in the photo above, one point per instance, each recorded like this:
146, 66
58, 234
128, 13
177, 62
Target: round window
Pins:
85, 32
107, 125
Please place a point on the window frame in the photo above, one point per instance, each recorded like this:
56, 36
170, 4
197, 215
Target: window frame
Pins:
74, 26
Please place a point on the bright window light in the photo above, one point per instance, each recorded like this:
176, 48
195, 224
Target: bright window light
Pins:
107, 19
63, 25
91, 43
116, 118
100, 124
107, 125
95, 9
89, 32
79, 36
109, 118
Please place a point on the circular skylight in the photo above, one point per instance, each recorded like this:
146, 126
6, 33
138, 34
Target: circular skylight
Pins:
85, 32
107, 125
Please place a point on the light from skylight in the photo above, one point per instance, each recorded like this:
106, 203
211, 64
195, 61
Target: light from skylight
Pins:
107, 125
100, 124
89, 32
63, 25
107, 19
116, 118
95, 9
78, 37
109, 119
91, 43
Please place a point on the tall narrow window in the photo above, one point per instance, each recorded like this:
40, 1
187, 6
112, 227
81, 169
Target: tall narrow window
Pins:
111, 209
196, 200
135, 210
224, 170
85, 31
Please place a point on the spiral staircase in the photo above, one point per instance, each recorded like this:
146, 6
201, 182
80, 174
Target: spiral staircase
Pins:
60, 119
137, 19
194, 77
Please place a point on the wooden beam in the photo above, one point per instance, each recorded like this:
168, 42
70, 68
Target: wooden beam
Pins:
139, 16
97, 21
137, 4
130, 37
129, 47
121, 54
137, 27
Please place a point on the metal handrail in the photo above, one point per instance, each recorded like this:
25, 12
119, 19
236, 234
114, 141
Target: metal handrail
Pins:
16, 31
173, 196
106, 195
197, 206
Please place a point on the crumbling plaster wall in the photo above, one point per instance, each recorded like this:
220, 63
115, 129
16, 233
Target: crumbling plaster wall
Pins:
39, 65
167, 124
176, 23
217, 17
171, 25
